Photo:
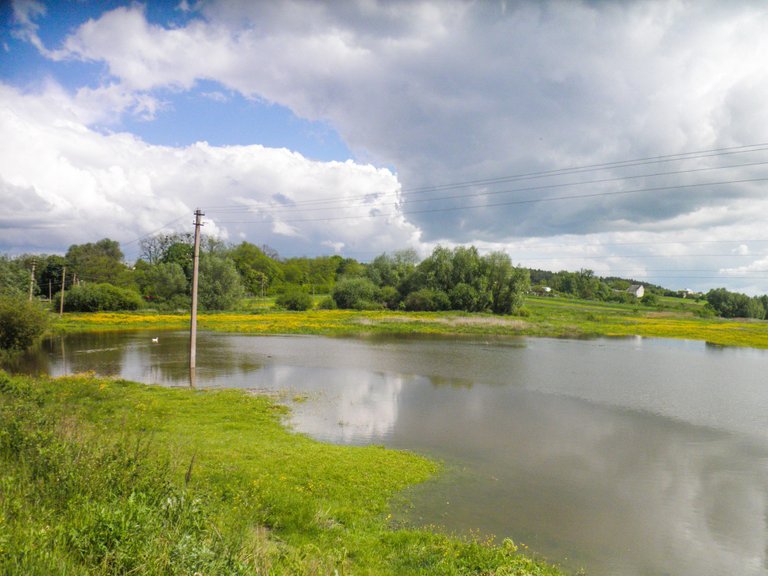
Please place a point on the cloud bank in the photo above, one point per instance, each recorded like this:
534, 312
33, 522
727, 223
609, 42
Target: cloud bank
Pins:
444, 92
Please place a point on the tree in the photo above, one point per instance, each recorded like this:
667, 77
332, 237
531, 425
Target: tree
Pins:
219, 283
257, 270
14, 278
386, 270
734, 305
466, 266
587, 285
51, 271
99, 262
21, 323
354, 293
162, 282
349, 268
322, 274
153, 249
180, 253
437, 269
507, 284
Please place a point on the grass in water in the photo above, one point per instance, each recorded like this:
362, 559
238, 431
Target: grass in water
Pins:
103, 476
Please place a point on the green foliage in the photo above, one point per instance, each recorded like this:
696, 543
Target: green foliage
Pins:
21, 323
294, 298
327, 303
99, 298
259, 271
51, 271
14, 278
465, 297
437, 269
219, 284
161, 283
427, 300
391, 270
507, 283
155, 249
100, 262
354, 293
390, 297
649, 299
734, 305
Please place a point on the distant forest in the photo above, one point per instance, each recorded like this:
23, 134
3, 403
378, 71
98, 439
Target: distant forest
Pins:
96, 277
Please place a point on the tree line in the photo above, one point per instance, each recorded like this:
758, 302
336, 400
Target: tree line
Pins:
96, 277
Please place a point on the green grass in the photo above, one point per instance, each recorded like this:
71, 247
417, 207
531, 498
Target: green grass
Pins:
102, 476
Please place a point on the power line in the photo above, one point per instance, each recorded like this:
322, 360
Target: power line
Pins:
344, 203
549, 173
506, 203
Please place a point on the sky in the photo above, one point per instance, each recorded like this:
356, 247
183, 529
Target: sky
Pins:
628, 138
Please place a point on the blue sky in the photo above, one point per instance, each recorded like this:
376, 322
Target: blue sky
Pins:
627, 138
205, 112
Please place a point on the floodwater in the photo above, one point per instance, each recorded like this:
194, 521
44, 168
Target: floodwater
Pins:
624, 457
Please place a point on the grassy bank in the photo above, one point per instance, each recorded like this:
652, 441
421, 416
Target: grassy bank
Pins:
101, 476
553, 317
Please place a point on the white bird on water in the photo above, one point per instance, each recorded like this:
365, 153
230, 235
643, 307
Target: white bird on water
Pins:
154, 339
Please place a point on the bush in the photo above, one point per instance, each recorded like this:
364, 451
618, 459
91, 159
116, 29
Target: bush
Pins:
21, 323
327, 303
650, 299
390, 297
464, 297
98, 298
351, 293
426, 300
294, 299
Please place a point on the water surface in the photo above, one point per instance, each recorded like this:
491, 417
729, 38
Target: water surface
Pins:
627, 457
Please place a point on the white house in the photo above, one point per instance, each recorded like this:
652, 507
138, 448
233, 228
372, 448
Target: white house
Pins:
636, 290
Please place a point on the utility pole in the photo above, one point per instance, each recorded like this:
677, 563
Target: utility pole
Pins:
32, 279
63, 278
193, 315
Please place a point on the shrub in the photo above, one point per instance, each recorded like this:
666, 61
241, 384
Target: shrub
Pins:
390, 297
327, 303
427, 300
294, 299
464, 297
21, 323
650, 299
98, 298
350, 293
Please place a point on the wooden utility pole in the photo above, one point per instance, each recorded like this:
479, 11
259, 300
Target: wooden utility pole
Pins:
193, 315
32, 279
63, 278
